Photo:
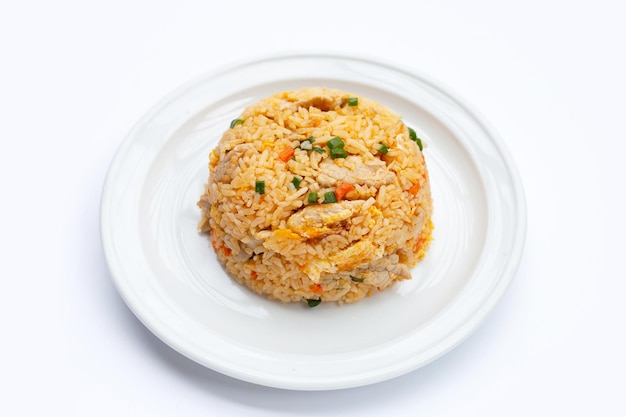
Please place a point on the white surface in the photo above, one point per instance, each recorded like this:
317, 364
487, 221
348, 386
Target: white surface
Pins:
170, 278
547, 75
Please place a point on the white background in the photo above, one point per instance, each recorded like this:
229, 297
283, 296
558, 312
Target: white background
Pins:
548, 75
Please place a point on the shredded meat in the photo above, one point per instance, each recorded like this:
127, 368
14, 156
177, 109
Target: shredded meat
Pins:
318, 220
353, 170
324, 103
225, 170
384, 270
347, 259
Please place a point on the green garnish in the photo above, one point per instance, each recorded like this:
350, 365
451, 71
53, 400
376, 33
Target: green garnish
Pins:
414, 138
312, 198
335, 142
336, 148
355, 279
318, 149
313, 303
296, 182
330, 197
353, 101
306, 144
338, 153
383, 149
259, 187
419, 143
235, 122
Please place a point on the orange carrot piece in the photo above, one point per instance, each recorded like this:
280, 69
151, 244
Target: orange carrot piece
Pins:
415, 188
227, 251
343, 189
254, 275
213, 240
286, 154
316, 288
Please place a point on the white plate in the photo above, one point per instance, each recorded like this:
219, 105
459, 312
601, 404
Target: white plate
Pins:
170, 278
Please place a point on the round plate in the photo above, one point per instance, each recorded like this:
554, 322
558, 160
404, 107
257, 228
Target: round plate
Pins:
169, 276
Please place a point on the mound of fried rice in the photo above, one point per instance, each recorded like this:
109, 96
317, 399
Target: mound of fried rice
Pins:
268, 204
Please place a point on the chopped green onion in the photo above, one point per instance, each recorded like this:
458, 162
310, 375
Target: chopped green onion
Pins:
383, 149
355, 279
259, 187
307, 144
338, 153
335, 142
353, 101
296, 182
414, 138
235, 122
312, 198
313, 303
318, 149
330, 197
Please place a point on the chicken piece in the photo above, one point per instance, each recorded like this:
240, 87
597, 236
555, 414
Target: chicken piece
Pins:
322, 102
353, 170
382, 271
345, 260
319, 220
356, 255
225, 168
391, 265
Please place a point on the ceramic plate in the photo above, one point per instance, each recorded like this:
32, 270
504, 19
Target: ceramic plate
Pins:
170, 278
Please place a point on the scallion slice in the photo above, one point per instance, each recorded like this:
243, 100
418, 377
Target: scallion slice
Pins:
296, 182
356, 279
414, 138
383, 149
338, 153
335, 142
330, 197
353, 101
312, 198
318, 149
259, 187
313, 303
307, 144
419, 143
235, 122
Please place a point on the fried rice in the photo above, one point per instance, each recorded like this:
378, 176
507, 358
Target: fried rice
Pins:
318, 195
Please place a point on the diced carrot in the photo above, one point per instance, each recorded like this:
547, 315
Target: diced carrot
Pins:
286, 154
254, 275
415, 188
343, 189
227, 251
316, 288
213, 240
